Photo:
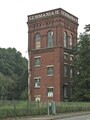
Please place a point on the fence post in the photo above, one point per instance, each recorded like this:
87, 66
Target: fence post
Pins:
38, 107
29, 106
53, 108
14, 106
49, 108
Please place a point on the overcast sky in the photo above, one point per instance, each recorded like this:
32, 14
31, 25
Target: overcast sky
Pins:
13, 18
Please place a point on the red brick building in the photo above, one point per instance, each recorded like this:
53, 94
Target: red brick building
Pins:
51, 37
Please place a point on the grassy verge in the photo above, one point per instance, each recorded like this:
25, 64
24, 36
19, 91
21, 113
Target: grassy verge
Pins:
72, 107
24, 108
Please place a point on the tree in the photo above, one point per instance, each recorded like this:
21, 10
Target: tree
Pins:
81, 89
7, 86
87, 28
14, 69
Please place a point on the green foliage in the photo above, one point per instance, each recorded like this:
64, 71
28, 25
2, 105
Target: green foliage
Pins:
13, 77
82, 69
72, 107
26, 108
7, 86
87, 28
21, 108
24, 95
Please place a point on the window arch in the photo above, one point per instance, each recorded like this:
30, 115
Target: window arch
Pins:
71, 41
37, 40
50, 39
65, 39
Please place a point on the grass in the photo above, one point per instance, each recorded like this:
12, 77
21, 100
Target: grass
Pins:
24, 108
72, 107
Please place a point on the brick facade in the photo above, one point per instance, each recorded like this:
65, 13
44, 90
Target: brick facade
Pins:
53, 85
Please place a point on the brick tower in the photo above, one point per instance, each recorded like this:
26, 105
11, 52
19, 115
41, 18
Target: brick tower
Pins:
51, 37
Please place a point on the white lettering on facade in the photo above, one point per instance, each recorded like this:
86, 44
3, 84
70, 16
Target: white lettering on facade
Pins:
69, 16
52, 13
43, 15
57, 12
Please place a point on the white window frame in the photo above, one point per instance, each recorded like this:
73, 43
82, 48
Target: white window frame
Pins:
50, 66
36, 57
36, 84
37, 98
50, 93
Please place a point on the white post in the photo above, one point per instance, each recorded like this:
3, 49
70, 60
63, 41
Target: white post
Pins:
29, 76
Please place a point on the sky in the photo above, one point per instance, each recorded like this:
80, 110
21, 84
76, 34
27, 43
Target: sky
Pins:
13, 18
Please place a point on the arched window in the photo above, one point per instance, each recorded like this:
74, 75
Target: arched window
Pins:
71, 42
65, 39
50, 39
37, 41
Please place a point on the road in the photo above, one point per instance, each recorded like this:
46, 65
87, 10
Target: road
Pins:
82, 117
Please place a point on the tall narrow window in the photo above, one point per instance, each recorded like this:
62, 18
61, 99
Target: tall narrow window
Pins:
65, 94
37, 41
50, 91
50, 39
37, 61
37, 82
71, 71
71, 42
65, 39
50, 70
65, 70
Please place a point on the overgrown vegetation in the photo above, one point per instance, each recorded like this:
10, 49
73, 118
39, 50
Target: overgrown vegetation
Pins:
81, 83
13, 74
24, 108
